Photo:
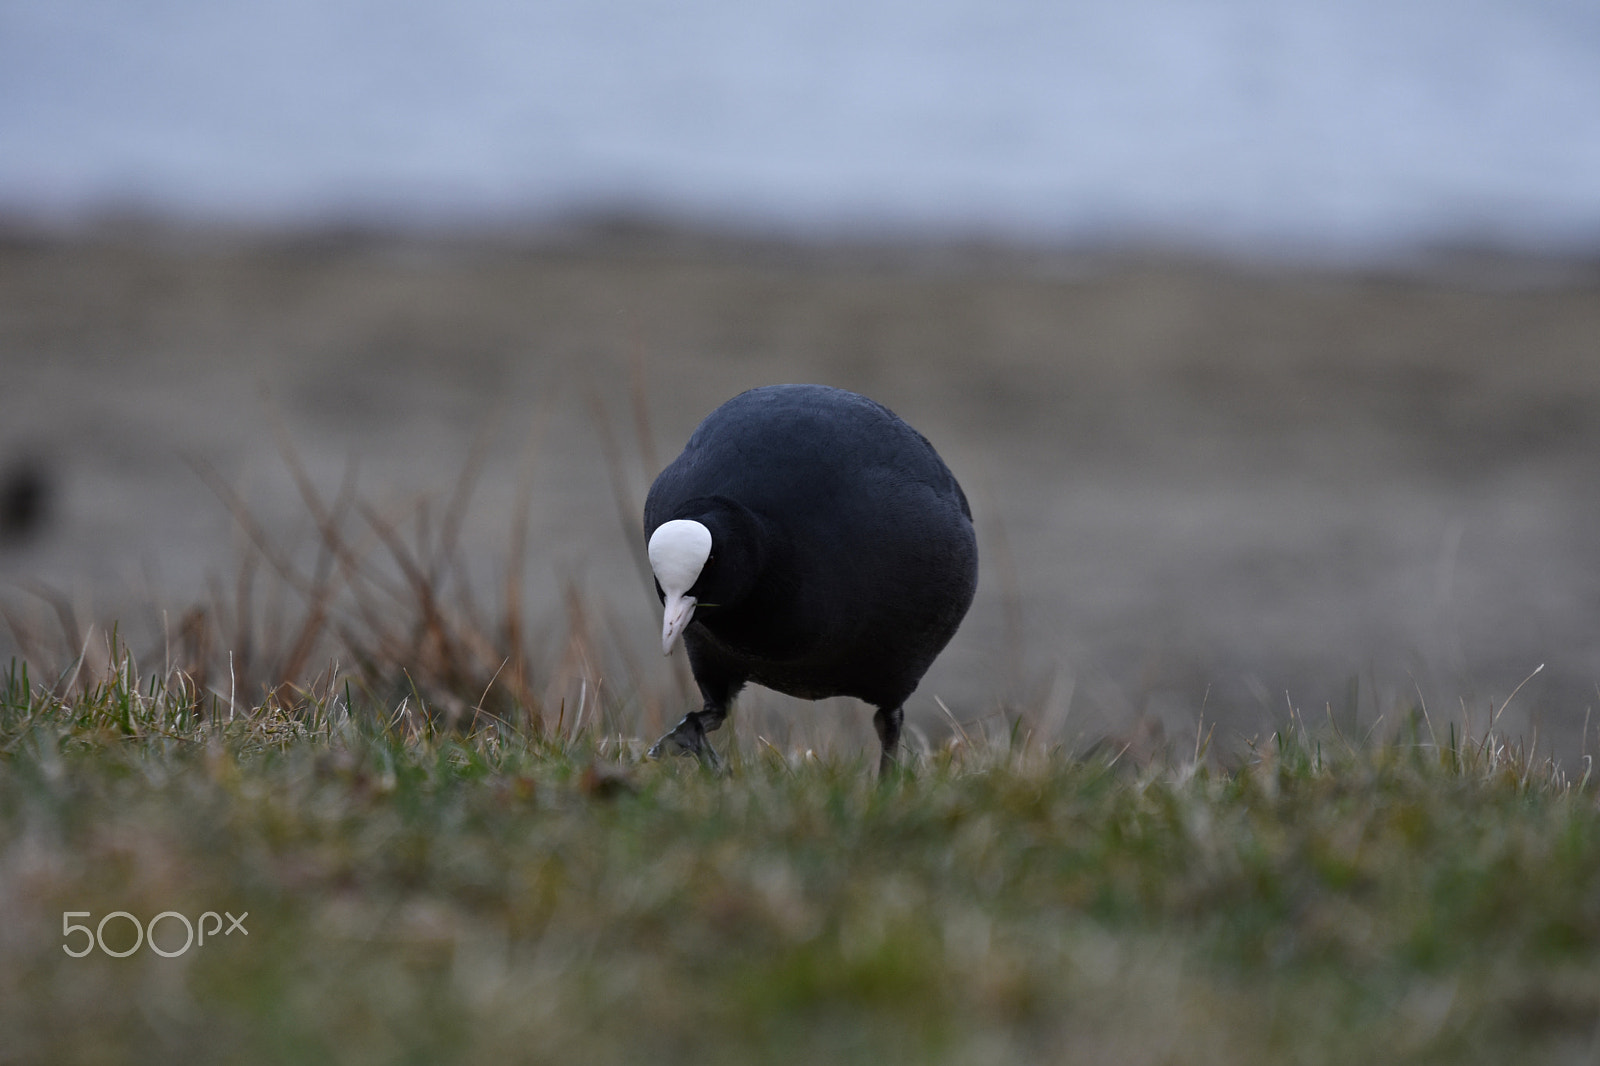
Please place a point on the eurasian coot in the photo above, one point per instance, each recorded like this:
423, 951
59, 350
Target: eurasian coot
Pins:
810, 541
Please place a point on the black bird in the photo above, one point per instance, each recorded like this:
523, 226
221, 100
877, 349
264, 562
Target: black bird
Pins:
24, 500
810, 541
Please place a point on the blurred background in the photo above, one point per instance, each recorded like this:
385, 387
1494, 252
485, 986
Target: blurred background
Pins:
1264, 337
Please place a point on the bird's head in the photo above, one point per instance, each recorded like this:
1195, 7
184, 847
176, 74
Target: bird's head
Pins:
710, 558
678, 553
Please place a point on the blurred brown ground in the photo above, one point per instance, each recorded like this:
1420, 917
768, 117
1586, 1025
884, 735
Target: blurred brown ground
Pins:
1196, 485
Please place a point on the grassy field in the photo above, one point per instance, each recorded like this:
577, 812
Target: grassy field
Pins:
494, 894
1201, 488
451, 850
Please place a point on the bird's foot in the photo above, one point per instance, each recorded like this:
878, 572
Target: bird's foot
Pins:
687, 738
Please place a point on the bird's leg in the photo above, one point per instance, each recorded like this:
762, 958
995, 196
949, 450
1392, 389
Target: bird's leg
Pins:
688, 737
887, 722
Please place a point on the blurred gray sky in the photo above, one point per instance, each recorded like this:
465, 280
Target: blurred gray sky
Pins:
1335, 126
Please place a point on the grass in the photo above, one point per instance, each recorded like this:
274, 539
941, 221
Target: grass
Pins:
416, 893
446, 847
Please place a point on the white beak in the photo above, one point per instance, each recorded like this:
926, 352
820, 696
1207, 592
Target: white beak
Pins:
679, 610
678, 552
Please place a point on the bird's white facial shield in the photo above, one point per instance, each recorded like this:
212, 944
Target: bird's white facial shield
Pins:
678, 552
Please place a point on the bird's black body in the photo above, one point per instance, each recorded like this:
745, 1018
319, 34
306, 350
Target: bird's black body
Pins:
843, 556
